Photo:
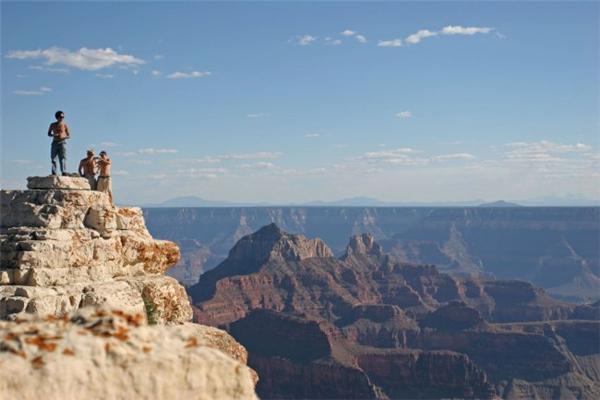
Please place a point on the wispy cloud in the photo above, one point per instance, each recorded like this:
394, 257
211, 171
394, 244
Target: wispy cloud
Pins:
348, 32
418, 36
105, 76
22, 162
261, 165
455, 157
390, 43
360, 38
39, 92
152, 151
312, 135
258, 115
188, 75
461, 30
305, 40
404, 114
109, 144
84, 58
332, 42
156, 72
48, 69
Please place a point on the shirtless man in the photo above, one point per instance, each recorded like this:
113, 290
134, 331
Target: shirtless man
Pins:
104, 184
88, 167
59, 131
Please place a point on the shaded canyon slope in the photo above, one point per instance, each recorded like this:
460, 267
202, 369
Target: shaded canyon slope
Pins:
368, 325
555, 248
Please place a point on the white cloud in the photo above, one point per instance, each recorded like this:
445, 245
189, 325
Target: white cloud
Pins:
22, 162
84, 58
265, 155
348, 32
312, 135
38, 92
258, 165
420, 35
187, 75
109, 144
156, 72
390, 43
120, 172
105, 76
455, 156
542, 151
48, 69
158, 56
152, 151
404, 114
305, 40
258, 115
126, 154
203, 173
461, 30
332, 42
361, 39
21, 76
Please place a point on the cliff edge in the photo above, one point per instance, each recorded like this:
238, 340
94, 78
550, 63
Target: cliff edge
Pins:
81, 281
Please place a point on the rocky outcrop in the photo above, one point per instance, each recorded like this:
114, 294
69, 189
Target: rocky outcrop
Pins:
110, 354
64, 246
81, 281
304, 318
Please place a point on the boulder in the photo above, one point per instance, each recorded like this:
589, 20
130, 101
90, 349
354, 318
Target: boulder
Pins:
58, 182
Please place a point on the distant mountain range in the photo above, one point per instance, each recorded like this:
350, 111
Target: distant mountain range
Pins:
194, 201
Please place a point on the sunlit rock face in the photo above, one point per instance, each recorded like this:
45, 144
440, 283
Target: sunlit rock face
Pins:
96, 353
64, 246
87, 312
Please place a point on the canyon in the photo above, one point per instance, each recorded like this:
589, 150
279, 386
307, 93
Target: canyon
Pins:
555, 248
367, 324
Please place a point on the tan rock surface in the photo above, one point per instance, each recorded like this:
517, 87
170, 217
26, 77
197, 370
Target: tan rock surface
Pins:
63, 247
110, 354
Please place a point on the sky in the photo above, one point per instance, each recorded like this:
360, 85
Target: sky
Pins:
285, 102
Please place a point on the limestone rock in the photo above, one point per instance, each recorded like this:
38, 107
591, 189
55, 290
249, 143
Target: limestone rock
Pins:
63, 246
111, 354
57, 182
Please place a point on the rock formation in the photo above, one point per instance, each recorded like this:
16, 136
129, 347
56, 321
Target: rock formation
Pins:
377, 327
64, 246
555, 248
80, 282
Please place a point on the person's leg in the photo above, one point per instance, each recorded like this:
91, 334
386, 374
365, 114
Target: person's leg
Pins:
62, 157
109, 189
53, 155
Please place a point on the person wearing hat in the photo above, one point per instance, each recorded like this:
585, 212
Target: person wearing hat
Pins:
59, 131
88, 168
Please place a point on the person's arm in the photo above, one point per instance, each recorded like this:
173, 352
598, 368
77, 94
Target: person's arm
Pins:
68, 131
50, 130
80, 168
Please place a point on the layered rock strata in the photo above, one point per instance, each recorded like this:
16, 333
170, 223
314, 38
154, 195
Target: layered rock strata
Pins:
378, 327
64, 246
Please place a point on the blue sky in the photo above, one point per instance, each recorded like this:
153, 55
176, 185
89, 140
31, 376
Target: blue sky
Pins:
292, 102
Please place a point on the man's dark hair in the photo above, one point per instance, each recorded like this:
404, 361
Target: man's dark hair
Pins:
102, 153
59, 114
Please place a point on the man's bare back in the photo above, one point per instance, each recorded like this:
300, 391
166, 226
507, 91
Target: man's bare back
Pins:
87, 166
59, 131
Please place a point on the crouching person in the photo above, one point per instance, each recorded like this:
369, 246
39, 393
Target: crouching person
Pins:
88, 168
104, 183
